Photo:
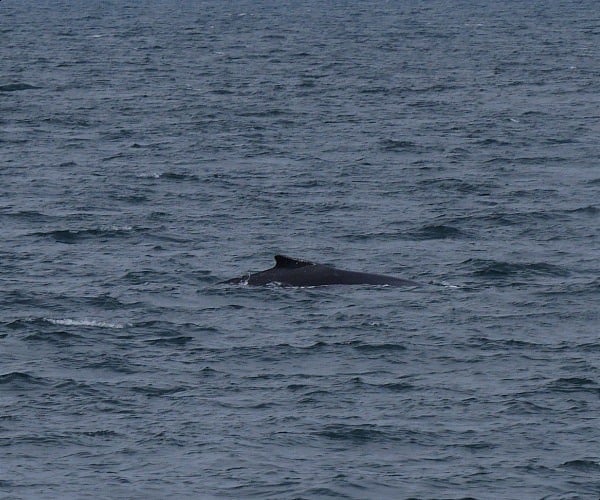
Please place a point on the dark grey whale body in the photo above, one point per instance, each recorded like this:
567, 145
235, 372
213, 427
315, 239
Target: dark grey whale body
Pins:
294, 272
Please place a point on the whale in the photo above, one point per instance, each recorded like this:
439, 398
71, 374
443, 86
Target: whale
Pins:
301, 273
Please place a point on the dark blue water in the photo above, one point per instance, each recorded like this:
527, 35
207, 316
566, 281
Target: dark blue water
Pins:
149, 150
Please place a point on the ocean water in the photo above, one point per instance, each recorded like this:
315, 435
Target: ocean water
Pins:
149, 150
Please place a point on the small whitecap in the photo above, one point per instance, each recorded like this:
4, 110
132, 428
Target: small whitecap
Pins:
445, 284
84, 322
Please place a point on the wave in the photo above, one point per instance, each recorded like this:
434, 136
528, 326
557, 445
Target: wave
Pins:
85, 322
353, 433
26, 323
456, 185
574, 384
427, 232
71, 236
20, 380
377, 348
14, 87
591, 466
178, 176
29, 215
587, 210
400, 145
173, 341
438, 232
169, 176
500, 269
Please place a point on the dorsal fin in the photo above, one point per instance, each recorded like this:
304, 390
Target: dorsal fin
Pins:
289, 263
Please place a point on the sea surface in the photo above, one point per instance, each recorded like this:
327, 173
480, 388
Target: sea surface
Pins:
151, 149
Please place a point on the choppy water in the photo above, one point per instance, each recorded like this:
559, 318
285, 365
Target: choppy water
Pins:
152, 149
